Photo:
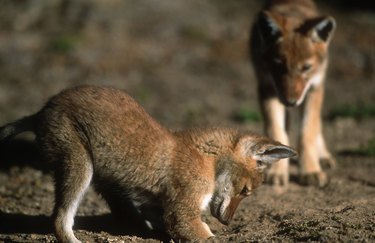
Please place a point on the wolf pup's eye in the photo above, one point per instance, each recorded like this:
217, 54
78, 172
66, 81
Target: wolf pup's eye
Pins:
306, 67
261, 164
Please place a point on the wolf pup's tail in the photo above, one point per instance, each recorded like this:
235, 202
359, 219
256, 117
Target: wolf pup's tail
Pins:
22, 125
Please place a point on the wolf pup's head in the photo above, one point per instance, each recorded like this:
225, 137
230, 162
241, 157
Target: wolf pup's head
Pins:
296, 52
238, 173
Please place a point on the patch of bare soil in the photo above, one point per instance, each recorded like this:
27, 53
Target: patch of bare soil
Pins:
187, 63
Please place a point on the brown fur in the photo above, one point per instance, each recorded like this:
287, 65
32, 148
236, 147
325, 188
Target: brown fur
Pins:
289, 46
101, 136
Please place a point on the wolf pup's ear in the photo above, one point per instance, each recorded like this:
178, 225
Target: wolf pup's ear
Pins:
269, 27
322, 29
273, 153
264, 150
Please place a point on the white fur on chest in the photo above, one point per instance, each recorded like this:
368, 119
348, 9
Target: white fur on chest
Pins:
205, 201
314, 81
317, 79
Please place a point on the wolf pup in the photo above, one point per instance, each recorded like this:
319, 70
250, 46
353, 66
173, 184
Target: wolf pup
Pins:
101, 136
289, 51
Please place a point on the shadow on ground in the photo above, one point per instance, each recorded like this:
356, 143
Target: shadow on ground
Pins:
42, 224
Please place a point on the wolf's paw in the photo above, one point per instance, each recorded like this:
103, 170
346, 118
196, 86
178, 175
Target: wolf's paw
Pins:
318, 179
278, 181
329, 163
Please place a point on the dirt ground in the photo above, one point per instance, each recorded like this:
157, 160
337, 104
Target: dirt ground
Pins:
187, 63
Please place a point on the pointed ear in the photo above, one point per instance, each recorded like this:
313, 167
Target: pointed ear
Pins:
323, 29
264, 150
269, 27
274, 153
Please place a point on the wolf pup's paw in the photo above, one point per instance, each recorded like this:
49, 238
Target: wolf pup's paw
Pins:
319, 179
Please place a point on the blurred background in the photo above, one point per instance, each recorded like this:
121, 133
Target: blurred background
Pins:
187, 63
